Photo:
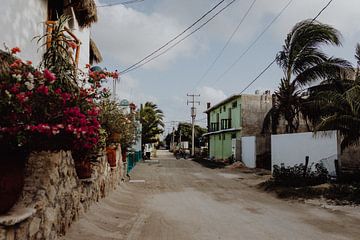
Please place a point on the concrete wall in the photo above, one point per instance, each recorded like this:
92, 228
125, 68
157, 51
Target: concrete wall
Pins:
20, 21
220, 145
248, 147
350, 157
253, 111
53, 196
292, 149
263, 152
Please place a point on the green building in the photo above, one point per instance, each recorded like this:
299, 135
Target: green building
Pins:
233, 118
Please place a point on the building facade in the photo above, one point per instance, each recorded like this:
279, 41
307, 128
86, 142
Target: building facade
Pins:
21, 21
233, 118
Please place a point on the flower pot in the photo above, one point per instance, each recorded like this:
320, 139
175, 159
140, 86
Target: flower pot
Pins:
11, 179
111, 156
83, 169
115, 137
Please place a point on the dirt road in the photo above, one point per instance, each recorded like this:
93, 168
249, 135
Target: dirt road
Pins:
181, 200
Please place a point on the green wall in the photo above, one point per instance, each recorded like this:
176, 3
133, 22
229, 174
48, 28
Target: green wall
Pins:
220, 143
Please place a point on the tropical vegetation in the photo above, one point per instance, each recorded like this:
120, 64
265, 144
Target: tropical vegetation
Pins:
52, 107
337, 103
151, 118
184, 131
304, 64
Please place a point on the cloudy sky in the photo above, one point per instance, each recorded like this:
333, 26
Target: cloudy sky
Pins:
127, 33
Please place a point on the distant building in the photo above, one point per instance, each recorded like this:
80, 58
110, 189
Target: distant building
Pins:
234, 118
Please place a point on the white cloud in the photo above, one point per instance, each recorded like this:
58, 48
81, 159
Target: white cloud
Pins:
211, 95
126, 35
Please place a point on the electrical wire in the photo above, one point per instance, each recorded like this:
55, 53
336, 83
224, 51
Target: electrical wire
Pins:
179, 41
121, 3
173, 39
273, 61
254, 42
226, 44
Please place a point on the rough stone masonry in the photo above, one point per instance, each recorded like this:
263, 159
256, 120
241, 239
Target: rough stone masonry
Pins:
53, 196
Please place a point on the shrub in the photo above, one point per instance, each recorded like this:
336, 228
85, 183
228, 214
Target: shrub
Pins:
298, 175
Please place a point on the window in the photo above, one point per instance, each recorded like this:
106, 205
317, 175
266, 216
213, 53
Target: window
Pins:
234, 104
219, 136
224, 108
233, 135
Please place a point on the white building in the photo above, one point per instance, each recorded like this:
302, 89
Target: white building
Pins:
22, 20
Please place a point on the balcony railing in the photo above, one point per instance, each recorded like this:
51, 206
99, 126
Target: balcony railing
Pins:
225, 124
214, 127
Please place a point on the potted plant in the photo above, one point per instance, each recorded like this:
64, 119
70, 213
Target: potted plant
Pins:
47, 108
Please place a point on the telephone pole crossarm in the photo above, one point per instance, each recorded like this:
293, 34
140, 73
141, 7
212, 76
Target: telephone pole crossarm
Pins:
193, 116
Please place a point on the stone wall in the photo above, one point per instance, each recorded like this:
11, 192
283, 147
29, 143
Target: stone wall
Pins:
53, 196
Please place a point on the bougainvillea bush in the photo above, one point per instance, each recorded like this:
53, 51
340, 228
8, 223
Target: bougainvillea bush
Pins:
38, 112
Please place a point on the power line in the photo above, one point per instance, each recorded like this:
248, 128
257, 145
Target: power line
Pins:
179, 41
253, 43
226, 44
121, 3
273, 61
174, 38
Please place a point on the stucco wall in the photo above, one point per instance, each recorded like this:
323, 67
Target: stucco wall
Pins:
291, 149
20, 21
253, 111
248, 146
55, 196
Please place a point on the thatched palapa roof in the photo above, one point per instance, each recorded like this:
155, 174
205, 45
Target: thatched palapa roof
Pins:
85, 12
95, 54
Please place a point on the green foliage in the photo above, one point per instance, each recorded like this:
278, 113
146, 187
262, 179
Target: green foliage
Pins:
337, 105
116, 122
303, 63
299, 176
186, 132
151, 118
57, 57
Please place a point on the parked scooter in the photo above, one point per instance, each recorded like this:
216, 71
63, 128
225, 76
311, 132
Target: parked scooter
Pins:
182, 154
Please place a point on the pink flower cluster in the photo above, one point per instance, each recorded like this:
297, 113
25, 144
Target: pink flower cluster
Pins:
35, 104
84, 126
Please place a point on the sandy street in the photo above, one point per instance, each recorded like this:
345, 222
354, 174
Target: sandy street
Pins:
182, 200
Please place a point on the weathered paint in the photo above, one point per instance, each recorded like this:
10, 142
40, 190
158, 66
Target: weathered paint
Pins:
246, 113
21, 21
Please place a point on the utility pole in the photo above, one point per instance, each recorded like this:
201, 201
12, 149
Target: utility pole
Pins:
173, 139
193, 116
172, 147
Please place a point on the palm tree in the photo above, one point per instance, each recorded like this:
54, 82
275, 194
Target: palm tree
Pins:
303, 63
339, 107
151, 118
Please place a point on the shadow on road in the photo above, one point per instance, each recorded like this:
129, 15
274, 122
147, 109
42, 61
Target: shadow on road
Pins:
209, 163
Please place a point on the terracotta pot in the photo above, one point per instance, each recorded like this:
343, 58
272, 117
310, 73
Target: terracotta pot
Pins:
115, 137
83, 169
11, 179
111, 156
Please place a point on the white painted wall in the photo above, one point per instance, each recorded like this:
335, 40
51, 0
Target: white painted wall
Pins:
84, 36
20, 21
248, 149
291, 149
